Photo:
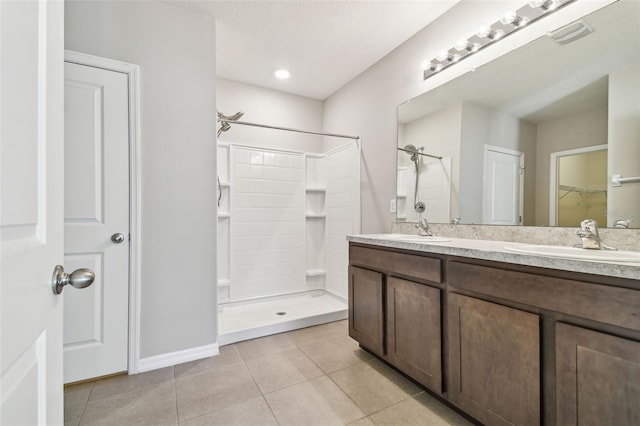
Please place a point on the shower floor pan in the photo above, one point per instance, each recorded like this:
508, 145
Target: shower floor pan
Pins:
238, 321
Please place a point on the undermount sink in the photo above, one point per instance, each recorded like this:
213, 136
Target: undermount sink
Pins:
414, 238
578, 253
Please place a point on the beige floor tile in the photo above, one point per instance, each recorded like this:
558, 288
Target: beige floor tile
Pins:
336, 353
213, 390
318, 402
273, 372
255, 348
372, 389
137, 382
228, 355
396, 378
365, 421
153, 406
76, 394
254, 412
72, 413
422, 410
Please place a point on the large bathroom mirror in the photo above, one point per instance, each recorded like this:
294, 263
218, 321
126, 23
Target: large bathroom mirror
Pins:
533, 137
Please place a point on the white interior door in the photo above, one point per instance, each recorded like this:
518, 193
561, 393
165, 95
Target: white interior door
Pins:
31, 231
503, 192
96, 217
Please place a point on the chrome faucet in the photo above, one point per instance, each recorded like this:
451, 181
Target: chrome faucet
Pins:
424, 228
590, 236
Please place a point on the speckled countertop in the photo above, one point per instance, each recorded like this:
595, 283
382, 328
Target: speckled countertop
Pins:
498, 251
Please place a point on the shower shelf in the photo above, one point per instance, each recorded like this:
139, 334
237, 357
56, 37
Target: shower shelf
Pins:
224, 215
223, 283
225, 184
401, 196
315, 189
316, 273
315, 215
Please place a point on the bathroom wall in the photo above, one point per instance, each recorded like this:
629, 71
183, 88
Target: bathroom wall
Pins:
479, 127
175, 50
366, 106
588, 128
271, 107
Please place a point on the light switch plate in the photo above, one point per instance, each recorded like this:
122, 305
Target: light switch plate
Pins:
392, 205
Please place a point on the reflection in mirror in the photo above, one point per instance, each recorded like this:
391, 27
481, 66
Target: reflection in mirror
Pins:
502, 130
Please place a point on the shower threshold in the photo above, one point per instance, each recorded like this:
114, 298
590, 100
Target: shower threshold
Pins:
238, 321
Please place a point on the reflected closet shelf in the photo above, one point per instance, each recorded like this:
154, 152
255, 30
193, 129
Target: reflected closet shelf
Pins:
315, 215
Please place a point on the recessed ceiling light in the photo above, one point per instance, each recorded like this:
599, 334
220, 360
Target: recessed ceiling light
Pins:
282, 74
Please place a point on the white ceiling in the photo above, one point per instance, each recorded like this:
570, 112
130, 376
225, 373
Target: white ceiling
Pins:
324, 43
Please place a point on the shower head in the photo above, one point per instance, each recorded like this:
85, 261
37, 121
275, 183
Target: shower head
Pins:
223, 128
413, 150
224, 121
233, 117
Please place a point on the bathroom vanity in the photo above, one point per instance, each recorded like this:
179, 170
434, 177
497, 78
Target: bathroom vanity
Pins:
505, 336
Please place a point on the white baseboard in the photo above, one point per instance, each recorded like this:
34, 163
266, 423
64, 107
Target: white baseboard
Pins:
178, 357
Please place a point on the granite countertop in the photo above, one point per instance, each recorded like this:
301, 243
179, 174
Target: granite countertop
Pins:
497, 251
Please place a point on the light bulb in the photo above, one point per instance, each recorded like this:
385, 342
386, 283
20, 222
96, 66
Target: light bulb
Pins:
443, 55
508, 17
461, 44
536, 3
484, 31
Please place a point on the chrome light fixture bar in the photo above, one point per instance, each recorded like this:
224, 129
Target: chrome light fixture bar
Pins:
509, 22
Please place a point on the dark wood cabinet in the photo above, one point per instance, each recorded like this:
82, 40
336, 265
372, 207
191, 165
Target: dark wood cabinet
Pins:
507, 344
494, 364
366, 316
414, 330
597, 379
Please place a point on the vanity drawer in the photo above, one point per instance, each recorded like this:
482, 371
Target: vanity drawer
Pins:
611, 305
408, 265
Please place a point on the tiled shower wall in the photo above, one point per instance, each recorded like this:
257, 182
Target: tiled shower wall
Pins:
343, 211
267, 222
283, 219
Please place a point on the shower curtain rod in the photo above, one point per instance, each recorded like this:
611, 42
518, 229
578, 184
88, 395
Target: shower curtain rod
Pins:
246, 123
419, 153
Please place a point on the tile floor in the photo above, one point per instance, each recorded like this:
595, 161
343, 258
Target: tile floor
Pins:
313, 376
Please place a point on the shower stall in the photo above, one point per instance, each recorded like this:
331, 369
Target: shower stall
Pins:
283, 216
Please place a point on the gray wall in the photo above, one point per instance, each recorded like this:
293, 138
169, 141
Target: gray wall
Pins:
272, 107
175, 50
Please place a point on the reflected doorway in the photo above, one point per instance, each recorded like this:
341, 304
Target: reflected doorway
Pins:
578, 187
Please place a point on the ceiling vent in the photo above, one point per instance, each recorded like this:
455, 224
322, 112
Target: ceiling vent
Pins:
571, 32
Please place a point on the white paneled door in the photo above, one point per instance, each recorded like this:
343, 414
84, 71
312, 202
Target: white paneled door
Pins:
31, 206
503, 186
96, 218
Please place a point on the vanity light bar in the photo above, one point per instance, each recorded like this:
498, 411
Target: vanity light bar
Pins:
509, 22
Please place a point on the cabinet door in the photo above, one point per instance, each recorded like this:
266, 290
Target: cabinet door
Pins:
494, 361
597, 378
413, 331
366, 320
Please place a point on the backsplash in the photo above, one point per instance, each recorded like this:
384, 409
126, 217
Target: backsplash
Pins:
623, 239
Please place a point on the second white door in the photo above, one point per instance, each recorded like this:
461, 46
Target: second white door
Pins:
96, 216
503, 192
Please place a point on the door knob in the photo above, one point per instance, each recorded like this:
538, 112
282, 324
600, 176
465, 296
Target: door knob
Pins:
117, 238
80, 278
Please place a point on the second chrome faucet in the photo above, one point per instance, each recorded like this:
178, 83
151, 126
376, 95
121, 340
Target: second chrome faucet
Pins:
590, 236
